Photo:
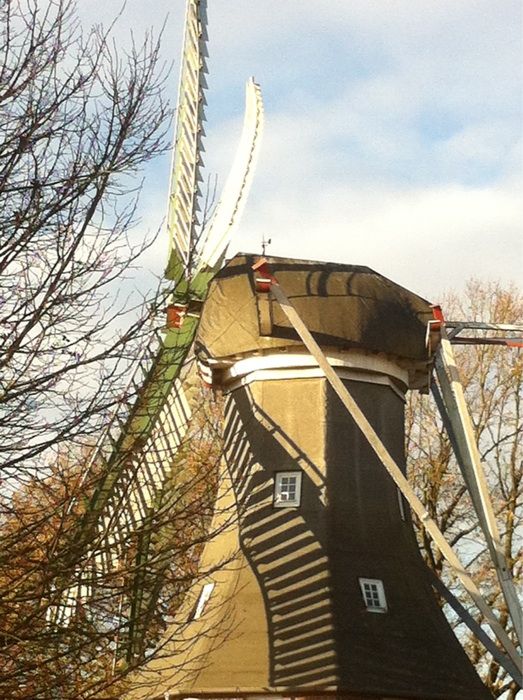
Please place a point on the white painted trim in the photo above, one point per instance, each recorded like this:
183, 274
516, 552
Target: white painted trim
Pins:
353, 360
205, 594
350, 359
376, 586
295, 502
312, 373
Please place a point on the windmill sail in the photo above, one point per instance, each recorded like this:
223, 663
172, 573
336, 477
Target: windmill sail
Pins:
224, 222
182, 219
140, 447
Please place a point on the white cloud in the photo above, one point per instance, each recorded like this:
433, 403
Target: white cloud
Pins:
425, 239
393, 134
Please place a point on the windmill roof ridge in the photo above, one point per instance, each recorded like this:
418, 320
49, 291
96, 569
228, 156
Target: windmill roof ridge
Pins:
278, 259
327, 266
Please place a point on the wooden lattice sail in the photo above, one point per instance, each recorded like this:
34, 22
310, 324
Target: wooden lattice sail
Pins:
142, 440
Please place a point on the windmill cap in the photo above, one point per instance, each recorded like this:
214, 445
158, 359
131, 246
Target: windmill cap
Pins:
344, 306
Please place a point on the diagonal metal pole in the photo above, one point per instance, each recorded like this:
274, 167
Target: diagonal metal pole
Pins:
476, 629
393, 469
454, 410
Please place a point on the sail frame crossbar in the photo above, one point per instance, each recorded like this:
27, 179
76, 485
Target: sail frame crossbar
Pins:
477, 630
458, 326
106, 442
455, 329
141, 483
139, 465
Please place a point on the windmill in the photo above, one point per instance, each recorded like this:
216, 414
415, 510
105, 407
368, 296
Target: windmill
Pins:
303, 335
315, 359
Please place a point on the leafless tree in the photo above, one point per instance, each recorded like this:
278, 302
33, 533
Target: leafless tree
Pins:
72, 628
493, 380
77, 122
79, 119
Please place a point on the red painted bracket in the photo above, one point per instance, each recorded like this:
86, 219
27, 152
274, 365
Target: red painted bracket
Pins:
432, 337
176, 314
263, 279
438, 315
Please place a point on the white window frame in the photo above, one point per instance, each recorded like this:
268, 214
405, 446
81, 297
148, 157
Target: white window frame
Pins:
205, 594
373, 585
280, 502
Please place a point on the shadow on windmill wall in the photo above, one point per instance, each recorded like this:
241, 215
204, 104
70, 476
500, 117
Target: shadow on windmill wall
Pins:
349, 525
283, 545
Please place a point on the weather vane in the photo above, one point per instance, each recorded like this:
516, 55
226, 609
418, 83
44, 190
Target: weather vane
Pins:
265, 243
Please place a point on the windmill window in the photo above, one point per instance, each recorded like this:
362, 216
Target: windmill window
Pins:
373, 594
202, 600
287, 489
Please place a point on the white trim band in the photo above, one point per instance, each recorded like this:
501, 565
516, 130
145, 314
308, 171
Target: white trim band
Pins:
353, 365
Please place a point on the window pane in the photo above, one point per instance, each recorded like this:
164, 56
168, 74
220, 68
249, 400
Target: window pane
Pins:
373, 595
287, 489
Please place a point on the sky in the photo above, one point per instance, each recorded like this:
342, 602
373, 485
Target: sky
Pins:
393, 130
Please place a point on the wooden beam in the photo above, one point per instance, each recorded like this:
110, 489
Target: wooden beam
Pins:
455, 412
